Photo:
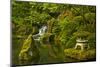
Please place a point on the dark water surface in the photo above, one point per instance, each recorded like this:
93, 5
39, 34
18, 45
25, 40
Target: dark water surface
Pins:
49, 53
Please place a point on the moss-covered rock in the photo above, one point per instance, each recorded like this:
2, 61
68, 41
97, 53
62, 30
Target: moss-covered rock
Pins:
25, 48
29, 51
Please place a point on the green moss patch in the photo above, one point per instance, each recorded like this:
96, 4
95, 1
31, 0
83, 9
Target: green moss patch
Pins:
80, 55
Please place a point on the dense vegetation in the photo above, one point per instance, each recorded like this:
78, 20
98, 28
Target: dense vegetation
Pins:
65, 24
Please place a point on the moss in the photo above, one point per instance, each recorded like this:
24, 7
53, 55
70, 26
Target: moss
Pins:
80, 55
25, 48
28, 46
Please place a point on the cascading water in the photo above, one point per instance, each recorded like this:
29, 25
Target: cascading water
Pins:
42, 30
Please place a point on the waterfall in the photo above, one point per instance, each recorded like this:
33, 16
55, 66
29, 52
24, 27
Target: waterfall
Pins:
42, 31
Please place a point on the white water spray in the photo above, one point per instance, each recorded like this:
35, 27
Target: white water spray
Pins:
42, 31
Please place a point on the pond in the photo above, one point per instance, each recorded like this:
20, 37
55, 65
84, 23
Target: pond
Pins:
49, 52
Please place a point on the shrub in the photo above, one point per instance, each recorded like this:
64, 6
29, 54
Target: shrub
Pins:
71, 42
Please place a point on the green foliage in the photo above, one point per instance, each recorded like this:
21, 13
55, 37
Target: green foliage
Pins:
90, 17
81, 34
92, 40
71, 42
56, 29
